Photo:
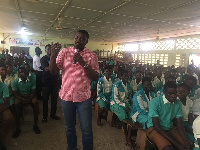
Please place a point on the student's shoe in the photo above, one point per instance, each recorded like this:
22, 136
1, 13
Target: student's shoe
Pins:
44, 120
17, 133
36, 129
55, 117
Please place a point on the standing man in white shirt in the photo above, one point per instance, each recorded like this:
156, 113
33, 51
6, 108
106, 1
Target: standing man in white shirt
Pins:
38, 72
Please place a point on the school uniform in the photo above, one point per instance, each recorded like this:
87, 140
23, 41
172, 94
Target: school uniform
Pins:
141, 107
186, 109
104, 91
196, 131
120, 99
24, 88
8, 81
136, 87
6, 116
165, 111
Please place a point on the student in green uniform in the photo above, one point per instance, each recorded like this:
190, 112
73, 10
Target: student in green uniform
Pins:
31, 75
183, 95
163, 110
24, 91
104, 91
6, 117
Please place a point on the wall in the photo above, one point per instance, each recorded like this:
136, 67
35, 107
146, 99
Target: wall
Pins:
92, 45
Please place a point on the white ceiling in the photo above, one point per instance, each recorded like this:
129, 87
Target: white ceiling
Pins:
109, 20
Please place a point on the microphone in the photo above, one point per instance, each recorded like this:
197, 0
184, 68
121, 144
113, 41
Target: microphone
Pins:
76, 51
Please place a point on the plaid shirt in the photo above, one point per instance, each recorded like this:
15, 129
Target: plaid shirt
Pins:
75, 83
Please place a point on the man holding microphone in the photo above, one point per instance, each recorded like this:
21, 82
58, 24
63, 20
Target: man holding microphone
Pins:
77, 71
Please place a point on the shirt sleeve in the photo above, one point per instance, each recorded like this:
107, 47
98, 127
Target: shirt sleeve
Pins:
196, 128
153, 108
94, 63
138, 101
14, 85
100, 91
44, 63
5, 91
60, 59
33, 84
117, 97
179, 112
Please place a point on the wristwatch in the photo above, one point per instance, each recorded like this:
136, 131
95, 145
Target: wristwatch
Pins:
85, 66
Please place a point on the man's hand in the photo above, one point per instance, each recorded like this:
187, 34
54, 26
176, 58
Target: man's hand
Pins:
79, 59
55, 48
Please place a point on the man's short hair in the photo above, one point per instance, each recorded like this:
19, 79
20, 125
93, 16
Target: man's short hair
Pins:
26, 64
192, 78
48, 45
37, 49
184, 85
22, 68
107, 67
2, 65
124, 72
84, 32
170, 85
146, 79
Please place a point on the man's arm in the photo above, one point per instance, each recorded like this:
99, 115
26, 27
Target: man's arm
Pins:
55, 48
91, 73
157, 127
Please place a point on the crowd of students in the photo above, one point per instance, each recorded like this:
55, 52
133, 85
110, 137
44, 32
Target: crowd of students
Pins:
18, 90
164, 101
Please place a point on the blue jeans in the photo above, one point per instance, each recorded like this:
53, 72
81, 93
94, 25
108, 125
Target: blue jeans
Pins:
84, 110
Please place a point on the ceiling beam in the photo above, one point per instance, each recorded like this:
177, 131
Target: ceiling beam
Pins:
59, 14
19, 12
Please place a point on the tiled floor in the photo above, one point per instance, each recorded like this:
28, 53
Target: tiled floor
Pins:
53, 137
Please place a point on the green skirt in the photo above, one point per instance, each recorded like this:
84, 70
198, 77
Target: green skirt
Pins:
120, 112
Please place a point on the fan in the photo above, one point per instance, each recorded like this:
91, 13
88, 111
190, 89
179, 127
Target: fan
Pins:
58, 27
105, 43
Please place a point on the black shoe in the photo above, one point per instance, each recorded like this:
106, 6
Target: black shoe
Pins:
17, 133
55, 117
44, 120
36, 129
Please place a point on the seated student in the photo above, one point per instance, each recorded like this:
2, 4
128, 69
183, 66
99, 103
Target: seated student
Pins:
158, 80
31, 75
136, 84
6, 117
162, 111
104, 91
7, 79
24, 91
10, 71
115, 74
120, 99
183, 92
167, 79
141, 101
196, 128
191, 81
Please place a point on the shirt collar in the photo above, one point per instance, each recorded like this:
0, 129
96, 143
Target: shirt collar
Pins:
20, 80
106, 78
165, 100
